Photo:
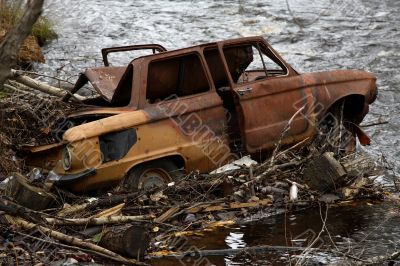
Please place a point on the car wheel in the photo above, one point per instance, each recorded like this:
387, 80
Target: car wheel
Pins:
339, 131
153, 174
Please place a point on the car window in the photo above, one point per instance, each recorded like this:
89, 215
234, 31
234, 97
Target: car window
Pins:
178, 76
253, 61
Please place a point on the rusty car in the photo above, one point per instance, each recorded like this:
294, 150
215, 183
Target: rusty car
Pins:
194, 109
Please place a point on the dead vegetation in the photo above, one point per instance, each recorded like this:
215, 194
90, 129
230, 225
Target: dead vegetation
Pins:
28, 119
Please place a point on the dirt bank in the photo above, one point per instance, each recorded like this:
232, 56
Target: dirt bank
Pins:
30, 51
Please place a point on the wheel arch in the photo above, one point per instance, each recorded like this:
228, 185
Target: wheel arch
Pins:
177, 159
355, 107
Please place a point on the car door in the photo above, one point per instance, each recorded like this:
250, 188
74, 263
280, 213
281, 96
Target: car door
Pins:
272, 104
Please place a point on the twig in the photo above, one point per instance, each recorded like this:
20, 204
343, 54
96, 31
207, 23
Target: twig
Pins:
305, 253
285, 130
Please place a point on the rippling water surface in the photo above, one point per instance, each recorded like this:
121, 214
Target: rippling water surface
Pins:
311, 35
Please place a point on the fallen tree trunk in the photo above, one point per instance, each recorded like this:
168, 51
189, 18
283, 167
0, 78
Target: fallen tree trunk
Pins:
131, 241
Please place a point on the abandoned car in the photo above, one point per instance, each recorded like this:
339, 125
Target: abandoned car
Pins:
194, 109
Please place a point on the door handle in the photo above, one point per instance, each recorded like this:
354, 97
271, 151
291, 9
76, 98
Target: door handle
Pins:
243, 91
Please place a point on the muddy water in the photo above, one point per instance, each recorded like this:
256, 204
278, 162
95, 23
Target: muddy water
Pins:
311, 35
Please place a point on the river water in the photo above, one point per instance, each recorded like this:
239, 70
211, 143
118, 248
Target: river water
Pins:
311, 35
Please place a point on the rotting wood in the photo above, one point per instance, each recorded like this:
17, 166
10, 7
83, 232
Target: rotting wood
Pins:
131, 241
99, 221
14, 209
29, 196
324, 173
357, 166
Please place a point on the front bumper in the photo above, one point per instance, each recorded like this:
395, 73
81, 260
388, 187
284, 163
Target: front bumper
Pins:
63, 179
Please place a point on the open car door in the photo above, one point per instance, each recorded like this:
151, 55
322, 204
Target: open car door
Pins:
268, 96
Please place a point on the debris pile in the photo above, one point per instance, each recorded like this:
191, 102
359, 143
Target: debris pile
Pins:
128, 227
28, 119
41, 223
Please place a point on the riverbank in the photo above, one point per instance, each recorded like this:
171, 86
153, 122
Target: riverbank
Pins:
42, 33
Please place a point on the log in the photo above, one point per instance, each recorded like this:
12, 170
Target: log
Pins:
71, 240
41, 86
324, 173
31, 197
99, 221
14, 209
131, 241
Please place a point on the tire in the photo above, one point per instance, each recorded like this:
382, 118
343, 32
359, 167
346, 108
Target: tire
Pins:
339, 131
152, 174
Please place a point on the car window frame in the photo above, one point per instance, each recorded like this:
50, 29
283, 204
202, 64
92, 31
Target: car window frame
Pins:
275, 58
174, 54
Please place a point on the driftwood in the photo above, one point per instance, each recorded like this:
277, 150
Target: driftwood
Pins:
41, 86
99, 221
31, 197
324, 173
14, 209
71, 240
131, 241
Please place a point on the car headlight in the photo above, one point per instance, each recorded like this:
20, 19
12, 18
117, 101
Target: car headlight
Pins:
66, 159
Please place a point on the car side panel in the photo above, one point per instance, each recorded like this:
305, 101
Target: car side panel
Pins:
267, 109
192, 128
